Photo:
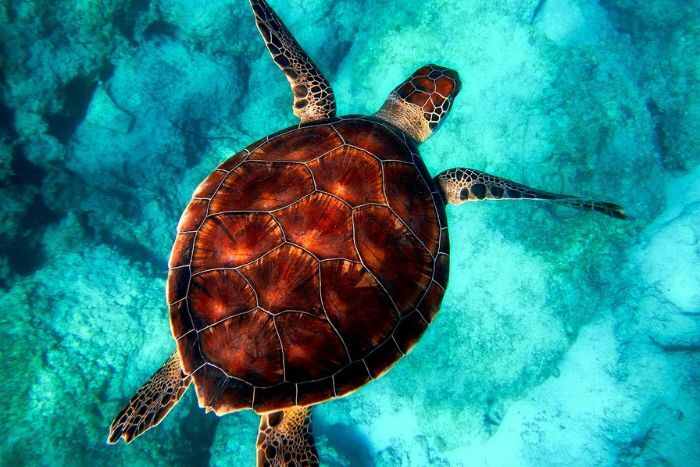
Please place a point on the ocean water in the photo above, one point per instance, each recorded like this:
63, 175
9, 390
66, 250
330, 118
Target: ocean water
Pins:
565, 338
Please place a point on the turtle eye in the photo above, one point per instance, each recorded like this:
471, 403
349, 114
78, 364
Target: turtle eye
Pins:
464, 194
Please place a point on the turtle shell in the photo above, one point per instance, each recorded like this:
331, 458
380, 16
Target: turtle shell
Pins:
306, 266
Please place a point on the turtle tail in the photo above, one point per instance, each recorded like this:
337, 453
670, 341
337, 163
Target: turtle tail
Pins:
152, 402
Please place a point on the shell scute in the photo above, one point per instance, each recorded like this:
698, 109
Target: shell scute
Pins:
312, 392
180, 321
193, 215
181, 254
262, 186
442, 269
178, 283
444, 242
373, 138
352, 175
312, 349
417, 211
405, 269
210, 381
351, 377
271, 398
358, 308
209, 185
246, 346
190, 354
286, 279
430, 302
232, 240
218, 295
321, 224
381, 358
233, 395
409, 331
302, 145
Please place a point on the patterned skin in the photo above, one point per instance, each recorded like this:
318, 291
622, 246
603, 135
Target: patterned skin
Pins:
152, 402
288, 432
418, 105
313, 96
462, 185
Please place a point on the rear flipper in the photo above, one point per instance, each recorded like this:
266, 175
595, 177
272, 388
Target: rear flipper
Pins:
285, 439
152, 402
462, 185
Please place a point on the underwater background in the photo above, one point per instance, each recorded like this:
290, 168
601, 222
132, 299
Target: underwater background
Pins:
565, 338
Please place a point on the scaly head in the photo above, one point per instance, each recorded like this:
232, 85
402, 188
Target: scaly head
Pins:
420, 104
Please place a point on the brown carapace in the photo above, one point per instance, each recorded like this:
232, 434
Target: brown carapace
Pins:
306, 266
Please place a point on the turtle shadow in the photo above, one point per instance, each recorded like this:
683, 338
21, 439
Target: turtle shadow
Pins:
350, 444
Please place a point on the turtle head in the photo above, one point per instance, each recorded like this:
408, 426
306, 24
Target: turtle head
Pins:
420, 104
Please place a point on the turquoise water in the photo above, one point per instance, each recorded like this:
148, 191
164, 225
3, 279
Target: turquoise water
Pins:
565, 338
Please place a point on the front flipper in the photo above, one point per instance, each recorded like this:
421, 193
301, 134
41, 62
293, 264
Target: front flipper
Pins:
285, 439
461, 185
152, 402
313, 96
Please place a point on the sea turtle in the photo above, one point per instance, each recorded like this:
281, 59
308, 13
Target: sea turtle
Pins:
306, 265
